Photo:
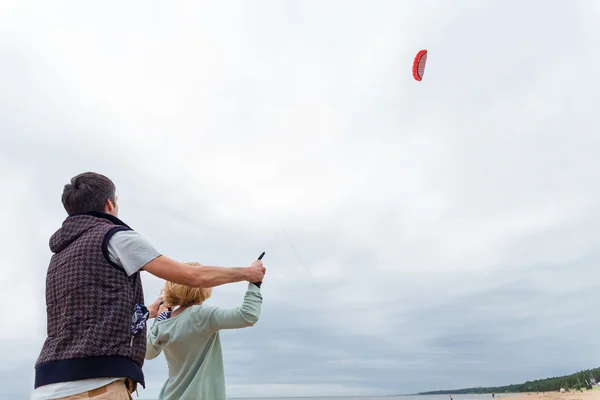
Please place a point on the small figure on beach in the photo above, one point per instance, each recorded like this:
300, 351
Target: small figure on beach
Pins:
190, 340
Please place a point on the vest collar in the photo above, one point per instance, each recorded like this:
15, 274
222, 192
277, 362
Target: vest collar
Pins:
100, 214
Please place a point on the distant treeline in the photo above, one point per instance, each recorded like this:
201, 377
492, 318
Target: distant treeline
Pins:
575, 381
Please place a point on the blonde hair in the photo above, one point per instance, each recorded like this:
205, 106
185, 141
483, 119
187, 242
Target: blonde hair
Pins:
181, 295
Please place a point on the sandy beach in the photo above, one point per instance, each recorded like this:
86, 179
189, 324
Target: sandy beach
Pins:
586, 395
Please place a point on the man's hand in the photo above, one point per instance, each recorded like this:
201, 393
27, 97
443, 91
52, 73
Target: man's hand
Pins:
255, 272
153, 308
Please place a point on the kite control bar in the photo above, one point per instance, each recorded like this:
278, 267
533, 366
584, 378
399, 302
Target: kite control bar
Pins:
259, 258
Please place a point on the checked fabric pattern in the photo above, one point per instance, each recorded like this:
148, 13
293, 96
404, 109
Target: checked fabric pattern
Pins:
89, 302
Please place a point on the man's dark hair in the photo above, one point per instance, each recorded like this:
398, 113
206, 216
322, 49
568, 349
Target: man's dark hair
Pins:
88, 192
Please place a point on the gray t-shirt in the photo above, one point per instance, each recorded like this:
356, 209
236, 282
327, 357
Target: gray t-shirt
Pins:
131, 251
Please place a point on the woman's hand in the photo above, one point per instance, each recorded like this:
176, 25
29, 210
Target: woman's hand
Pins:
154, 307
163, 307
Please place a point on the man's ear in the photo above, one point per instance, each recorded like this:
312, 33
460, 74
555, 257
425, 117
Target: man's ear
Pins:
109, 207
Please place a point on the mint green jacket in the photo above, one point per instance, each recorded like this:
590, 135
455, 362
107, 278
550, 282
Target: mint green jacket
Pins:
192, 347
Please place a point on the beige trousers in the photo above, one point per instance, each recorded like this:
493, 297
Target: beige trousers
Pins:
113, 391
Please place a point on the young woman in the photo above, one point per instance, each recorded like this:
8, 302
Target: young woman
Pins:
190, 340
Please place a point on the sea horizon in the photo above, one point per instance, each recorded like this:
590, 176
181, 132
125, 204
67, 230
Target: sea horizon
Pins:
377, 397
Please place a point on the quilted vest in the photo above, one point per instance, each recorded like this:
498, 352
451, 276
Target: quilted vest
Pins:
89, 306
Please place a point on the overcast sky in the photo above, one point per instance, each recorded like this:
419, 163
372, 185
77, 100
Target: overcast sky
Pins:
450, 225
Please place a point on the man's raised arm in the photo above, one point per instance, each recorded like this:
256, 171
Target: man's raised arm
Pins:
205, 276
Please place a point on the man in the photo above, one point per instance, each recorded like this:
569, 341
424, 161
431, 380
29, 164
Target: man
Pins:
93, 286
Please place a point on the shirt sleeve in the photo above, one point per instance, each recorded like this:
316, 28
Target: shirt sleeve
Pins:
240, 317
131, 251
153, 349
